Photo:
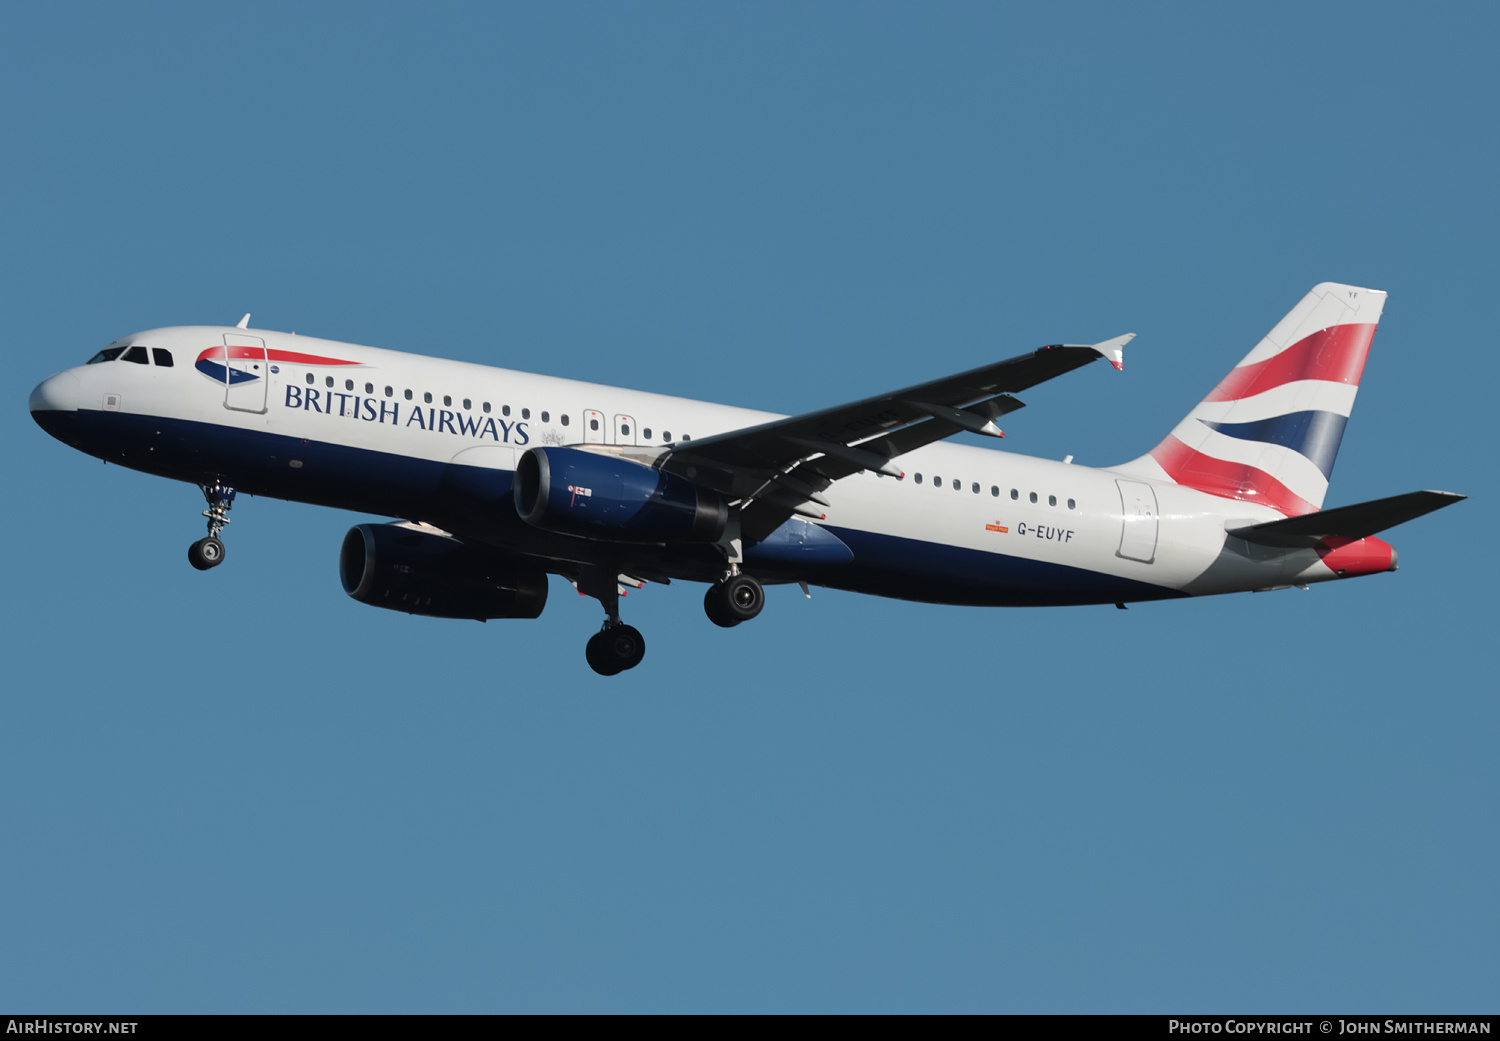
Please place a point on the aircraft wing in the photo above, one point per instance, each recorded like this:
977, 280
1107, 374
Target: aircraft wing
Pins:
776, 469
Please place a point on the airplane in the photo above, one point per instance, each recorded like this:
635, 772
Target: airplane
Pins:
500, 478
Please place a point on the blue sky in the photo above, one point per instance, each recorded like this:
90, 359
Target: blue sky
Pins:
242, 791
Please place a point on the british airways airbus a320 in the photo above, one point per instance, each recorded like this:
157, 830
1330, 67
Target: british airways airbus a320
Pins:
503, 478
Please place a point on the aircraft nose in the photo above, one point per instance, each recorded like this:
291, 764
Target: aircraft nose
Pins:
60, 393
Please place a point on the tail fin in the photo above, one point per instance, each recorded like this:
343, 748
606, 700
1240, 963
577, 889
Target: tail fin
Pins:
1269, 432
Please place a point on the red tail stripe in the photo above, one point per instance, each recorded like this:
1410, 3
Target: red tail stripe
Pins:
1192, 468
1336, 354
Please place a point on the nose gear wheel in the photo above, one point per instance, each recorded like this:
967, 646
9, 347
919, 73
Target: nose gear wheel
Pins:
206, 553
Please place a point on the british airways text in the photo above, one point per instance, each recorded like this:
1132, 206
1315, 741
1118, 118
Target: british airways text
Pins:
379, 410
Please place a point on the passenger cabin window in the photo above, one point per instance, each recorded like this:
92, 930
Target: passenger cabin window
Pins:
348, 384
447, 400
564, 420
137, 355
162, 357
526, 413
108, 354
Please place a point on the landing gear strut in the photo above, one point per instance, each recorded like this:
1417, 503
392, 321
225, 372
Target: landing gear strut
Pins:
209, 552
737, 598
617, 646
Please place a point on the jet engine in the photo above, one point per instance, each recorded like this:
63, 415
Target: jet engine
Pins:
599, 496
406, 568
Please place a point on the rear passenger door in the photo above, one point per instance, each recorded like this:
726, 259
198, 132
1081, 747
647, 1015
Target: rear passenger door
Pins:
1139, 521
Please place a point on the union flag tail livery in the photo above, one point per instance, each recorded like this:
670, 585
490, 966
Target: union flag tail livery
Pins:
1270, 431
499, 479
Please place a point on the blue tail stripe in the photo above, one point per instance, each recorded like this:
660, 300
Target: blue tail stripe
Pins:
1316, 435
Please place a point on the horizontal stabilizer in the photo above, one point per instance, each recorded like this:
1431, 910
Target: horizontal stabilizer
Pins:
1351, 522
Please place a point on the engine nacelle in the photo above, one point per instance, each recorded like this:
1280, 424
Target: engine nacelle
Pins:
404, 568
575, 492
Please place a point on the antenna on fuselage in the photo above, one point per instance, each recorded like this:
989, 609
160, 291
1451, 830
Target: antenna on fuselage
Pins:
243, 323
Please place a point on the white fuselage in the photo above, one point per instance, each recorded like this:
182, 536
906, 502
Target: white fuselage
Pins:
367, 428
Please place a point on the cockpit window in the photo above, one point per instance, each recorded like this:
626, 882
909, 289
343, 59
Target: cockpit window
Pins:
108, 354
162, 357
137, 354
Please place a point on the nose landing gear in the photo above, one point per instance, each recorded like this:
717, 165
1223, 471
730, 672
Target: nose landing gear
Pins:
208, 553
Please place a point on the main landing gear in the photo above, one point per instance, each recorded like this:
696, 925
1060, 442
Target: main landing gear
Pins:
617, 646
734, 599
209, 552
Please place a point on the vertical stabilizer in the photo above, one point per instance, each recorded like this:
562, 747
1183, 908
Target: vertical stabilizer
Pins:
1269, 432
